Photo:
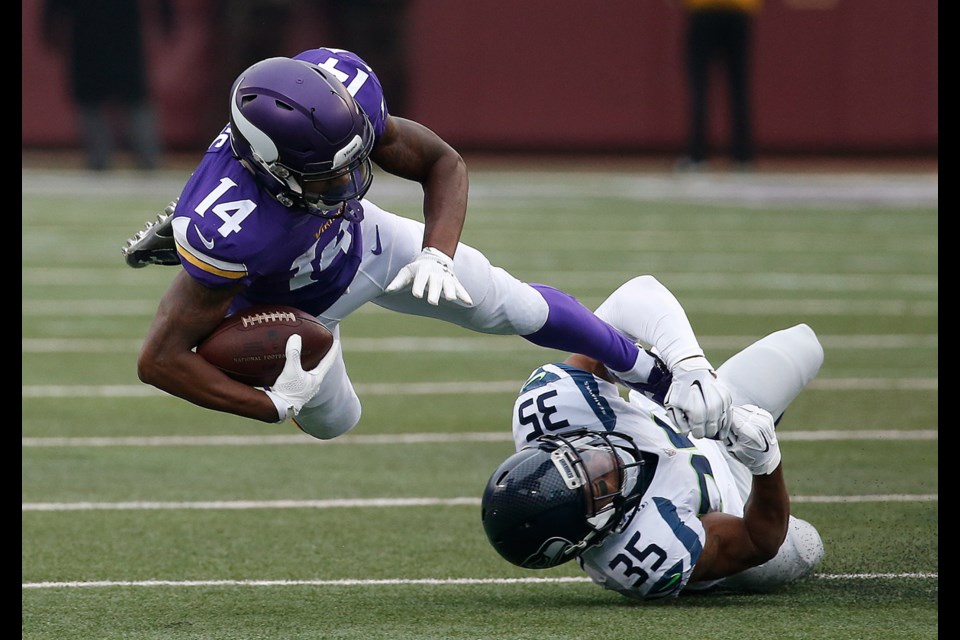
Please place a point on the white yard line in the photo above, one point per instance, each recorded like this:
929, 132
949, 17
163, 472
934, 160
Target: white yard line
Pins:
348, 582
463, 388
34, 277
414, 344
802, 307
410, 438
508, 187
379, 503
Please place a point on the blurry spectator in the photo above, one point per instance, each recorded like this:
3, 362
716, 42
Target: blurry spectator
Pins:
719, 31
376, 30
244, 32
102, 43
253, 30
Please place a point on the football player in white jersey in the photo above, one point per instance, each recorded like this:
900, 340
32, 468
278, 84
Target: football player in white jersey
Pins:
645, 508
276, 213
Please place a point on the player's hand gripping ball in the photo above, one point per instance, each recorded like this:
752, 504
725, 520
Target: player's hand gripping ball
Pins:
250, 345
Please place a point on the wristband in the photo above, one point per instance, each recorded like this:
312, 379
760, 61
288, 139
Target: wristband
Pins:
283, 407
693, 363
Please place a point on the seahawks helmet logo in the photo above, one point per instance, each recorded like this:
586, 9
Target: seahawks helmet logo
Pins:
551, 553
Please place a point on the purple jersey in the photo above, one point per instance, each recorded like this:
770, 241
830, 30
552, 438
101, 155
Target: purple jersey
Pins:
229, 229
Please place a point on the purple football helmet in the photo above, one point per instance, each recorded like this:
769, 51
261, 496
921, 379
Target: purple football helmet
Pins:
304, 137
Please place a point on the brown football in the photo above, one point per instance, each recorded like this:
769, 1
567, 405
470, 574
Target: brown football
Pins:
249, 345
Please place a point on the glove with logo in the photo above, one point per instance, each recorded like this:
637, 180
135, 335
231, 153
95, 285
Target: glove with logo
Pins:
431, 272
697, 401
752, 439
295, 386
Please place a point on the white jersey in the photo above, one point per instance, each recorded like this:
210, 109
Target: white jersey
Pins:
654, 554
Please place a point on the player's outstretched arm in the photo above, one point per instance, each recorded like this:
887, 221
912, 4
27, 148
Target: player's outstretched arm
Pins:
412, 151
187, 313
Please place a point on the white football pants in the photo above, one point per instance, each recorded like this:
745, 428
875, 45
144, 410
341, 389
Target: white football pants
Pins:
502, 305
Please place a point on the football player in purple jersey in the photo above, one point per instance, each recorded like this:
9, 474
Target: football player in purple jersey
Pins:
276, 213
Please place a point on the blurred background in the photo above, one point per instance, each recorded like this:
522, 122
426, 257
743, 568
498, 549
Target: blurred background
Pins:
830, 78
580, 112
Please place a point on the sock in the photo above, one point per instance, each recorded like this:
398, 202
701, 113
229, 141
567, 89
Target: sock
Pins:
571, 327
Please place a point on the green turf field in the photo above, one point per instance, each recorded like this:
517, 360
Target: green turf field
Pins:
144, 517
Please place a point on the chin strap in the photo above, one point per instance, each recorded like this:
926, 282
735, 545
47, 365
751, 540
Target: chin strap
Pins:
352, 210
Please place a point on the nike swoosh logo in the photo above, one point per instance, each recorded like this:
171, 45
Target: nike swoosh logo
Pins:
207, 243
696, 383
766, 444
377, 247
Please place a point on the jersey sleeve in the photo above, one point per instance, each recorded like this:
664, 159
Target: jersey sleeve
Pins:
557, 398
215, 239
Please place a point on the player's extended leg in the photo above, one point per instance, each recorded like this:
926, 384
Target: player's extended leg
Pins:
502, 304
772, 371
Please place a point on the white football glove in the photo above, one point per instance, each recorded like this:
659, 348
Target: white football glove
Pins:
295, 386
697, 401
431, 272
752, 439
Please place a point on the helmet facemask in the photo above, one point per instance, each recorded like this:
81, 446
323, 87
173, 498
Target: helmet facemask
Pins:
342, 190
561, 495
602, 475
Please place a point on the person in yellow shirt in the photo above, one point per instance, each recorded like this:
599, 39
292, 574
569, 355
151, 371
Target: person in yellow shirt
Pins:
719, 31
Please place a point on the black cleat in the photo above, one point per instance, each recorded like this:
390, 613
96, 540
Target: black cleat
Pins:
154, 244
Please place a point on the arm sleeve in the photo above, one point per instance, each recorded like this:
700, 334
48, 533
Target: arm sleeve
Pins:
647, 311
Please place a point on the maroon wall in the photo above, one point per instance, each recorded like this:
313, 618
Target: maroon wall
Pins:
831, 76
